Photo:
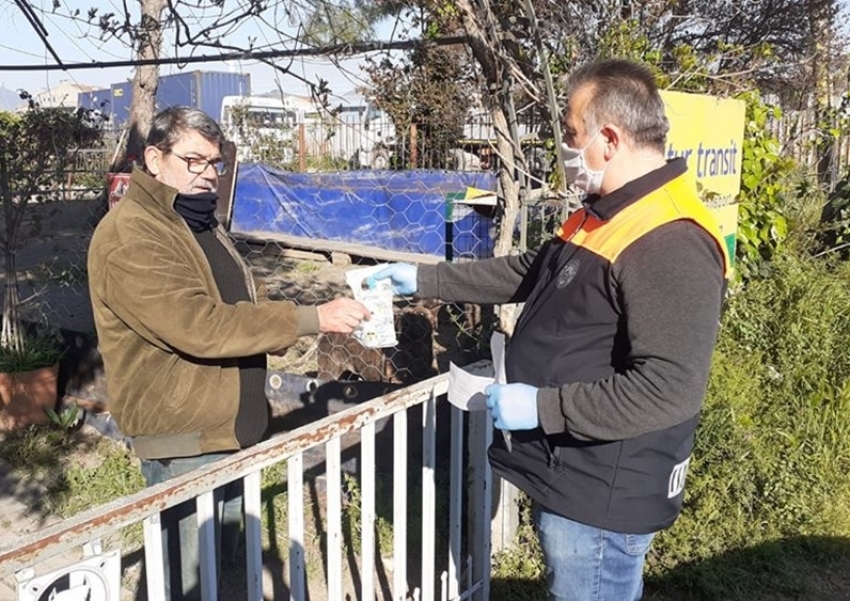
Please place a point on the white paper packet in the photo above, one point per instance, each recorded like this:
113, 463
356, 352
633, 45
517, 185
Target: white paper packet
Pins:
378, 332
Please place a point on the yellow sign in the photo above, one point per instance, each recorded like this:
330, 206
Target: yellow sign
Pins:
708, 132
117, 92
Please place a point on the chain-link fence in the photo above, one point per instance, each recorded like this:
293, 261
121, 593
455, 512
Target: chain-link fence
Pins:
302, 232
357, 136
821, 151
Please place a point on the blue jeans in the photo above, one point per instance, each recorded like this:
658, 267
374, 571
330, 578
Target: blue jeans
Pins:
180, 537
584, 563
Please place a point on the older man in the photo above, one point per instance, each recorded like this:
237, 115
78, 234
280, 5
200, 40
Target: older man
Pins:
609, 359
182, 328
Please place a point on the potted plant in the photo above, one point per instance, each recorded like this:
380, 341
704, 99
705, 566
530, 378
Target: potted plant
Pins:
37, 148
28, 382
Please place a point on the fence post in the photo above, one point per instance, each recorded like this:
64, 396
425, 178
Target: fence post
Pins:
413, 148
302, 148
480, 500
523, 227
506, 519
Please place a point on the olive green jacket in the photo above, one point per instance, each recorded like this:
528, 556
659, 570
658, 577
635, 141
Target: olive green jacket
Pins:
169, 344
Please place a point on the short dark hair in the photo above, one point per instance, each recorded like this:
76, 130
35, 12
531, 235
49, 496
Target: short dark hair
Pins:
171, 124
623, 93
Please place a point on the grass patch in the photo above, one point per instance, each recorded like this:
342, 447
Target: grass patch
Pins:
519, 572
114, 473
77, 470
308, 266
74, 470
352, 514
32, 451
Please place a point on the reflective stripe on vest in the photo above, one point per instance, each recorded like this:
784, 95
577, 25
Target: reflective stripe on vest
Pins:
674, 201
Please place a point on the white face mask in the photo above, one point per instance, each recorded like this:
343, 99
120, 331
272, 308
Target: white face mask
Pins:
576, 170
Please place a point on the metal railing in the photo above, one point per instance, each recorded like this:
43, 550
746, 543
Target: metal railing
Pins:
464, 577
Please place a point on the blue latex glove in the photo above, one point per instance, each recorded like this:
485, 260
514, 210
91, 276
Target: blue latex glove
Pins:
512, 406
402, 276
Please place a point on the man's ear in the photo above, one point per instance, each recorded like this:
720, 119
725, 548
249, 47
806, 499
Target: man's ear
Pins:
153, 160
613, 136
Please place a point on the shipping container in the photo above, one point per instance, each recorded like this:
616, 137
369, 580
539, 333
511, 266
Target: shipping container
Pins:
113, 102
200, 89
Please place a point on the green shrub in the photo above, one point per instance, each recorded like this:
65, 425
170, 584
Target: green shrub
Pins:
836, 217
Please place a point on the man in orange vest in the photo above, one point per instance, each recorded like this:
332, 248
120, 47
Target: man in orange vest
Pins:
608, 363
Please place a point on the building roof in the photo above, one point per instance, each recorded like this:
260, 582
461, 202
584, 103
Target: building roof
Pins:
63, 94
9, 100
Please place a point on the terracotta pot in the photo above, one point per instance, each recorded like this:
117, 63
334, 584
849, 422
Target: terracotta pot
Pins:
25, 396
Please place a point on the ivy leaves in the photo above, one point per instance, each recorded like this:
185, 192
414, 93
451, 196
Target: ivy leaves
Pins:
762, 226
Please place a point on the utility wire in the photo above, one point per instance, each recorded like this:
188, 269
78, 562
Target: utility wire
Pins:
29, 13
345, 49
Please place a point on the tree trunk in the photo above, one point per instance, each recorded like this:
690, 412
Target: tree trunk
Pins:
10, 335
145, 81
484, 42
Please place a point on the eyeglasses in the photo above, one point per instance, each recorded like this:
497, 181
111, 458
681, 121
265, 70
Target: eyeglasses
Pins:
198, 165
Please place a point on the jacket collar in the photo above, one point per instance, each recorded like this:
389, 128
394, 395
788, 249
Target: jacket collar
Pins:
605, 207
154, 195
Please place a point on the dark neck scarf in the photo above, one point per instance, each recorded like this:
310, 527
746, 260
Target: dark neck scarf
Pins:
198, 210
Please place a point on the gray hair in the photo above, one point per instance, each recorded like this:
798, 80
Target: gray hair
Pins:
172, 123
623, 93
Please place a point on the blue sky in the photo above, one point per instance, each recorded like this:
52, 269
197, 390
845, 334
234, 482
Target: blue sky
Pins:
19, 45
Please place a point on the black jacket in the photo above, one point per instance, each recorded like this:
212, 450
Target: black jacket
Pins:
619, 324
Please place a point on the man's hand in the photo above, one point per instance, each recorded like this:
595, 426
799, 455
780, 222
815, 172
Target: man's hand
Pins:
341, 315
512, 406
401, 275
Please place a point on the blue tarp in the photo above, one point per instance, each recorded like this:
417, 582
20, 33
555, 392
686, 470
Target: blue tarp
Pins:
393, 210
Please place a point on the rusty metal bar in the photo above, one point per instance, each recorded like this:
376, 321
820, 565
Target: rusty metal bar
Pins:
101, 521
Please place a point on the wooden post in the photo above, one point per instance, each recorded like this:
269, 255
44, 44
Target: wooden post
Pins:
505, 515
302, 148
226, 185
413, 149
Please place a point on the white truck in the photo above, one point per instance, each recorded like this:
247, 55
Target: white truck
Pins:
290, 128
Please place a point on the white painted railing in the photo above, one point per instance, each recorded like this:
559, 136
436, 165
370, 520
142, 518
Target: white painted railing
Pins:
462, 578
